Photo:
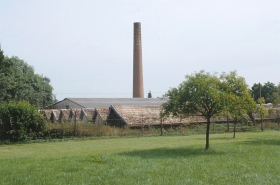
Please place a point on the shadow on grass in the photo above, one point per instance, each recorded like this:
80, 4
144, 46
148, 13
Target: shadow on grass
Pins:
170, 153
261, 142
216, 138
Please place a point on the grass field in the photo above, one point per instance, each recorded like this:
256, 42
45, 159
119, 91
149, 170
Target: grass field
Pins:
250, 158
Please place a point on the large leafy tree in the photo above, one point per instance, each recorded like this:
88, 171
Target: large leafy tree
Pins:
18, 82
201, 93
1, 55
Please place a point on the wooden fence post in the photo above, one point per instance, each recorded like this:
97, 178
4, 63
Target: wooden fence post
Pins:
214, 123
49, 129
180, 121
99, 129
227, 124
196, 123
75, 128
142, 126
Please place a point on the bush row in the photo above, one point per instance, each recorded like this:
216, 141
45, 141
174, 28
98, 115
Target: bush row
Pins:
20, 121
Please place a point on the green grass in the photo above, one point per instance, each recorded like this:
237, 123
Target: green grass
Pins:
250, 158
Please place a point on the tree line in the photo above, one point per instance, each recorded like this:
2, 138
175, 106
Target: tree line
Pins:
269, 91
19, 82
22, 94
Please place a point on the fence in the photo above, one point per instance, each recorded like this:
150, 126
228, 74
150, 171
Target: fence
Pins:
62, 129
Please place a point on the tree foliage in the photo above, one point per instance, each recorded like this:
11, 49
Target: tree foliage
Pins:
261, 110
208, 95
1, 55
150, 94
239, 99
201, 93
18, 82
19, 121
267, 91
275, 99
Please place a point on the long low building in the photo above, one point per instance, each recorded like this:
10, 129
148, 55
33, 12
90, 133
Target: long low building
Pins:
132, 116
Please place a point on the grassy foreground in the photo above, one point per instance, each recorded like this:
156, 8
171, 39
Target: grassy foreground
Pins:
251, 158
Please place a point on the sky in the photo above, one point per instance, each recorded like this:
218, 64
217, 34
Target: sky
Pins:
85, 47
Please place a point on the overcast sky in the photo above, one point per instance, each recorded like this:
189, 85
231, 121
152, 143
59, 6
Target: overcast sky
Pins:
86, 47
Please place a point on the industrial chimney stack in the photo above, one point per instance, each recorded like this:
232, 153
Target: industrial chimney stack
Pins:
138, 90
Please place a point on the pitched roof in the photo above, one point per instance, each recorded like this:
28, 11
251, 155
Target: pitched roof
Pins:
103, 112
65, 113
138, 115
107, 102
88, 113
47, 113
72, 113
55, 113
100, 115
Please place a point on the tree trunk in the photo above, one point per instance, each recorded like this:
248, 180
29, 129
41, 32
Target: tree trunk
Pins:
252, 118
227, 125
234, 129
196, 123
278, 123
262, 123
161, 127
207, 133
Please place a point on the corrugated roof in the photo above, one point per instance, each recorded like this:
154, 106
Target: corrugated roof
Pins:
103, 112
88, 113
72, 114
107, 102
47, 113
65, 113
100, 115
138, 115
55, 113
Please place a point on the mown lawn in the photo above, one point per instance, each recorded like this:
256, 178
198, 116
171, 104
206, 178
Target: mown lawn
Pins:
250, 158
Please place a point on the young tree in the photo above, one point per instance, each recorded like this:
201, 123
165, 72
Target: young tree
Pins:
262, 112
149, 94
250, 114
201, 93
239, 99
277, 112
275, 99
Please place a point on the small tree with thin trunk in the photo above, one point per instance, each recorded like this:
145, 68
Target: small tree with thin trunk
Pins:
200, 93
149, 94
277, 112
239, 99
275, 99
261, 111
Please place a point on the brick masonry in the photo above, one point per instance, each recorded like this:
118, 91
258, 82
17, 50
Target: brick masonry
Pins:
138, 90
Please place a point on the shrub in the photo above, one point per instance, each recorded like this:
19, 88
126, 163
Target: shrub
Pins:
20, 121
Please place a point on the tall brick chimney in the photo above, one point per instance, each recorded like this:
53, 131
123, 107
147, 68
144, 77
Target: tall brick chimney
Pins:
138, 90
